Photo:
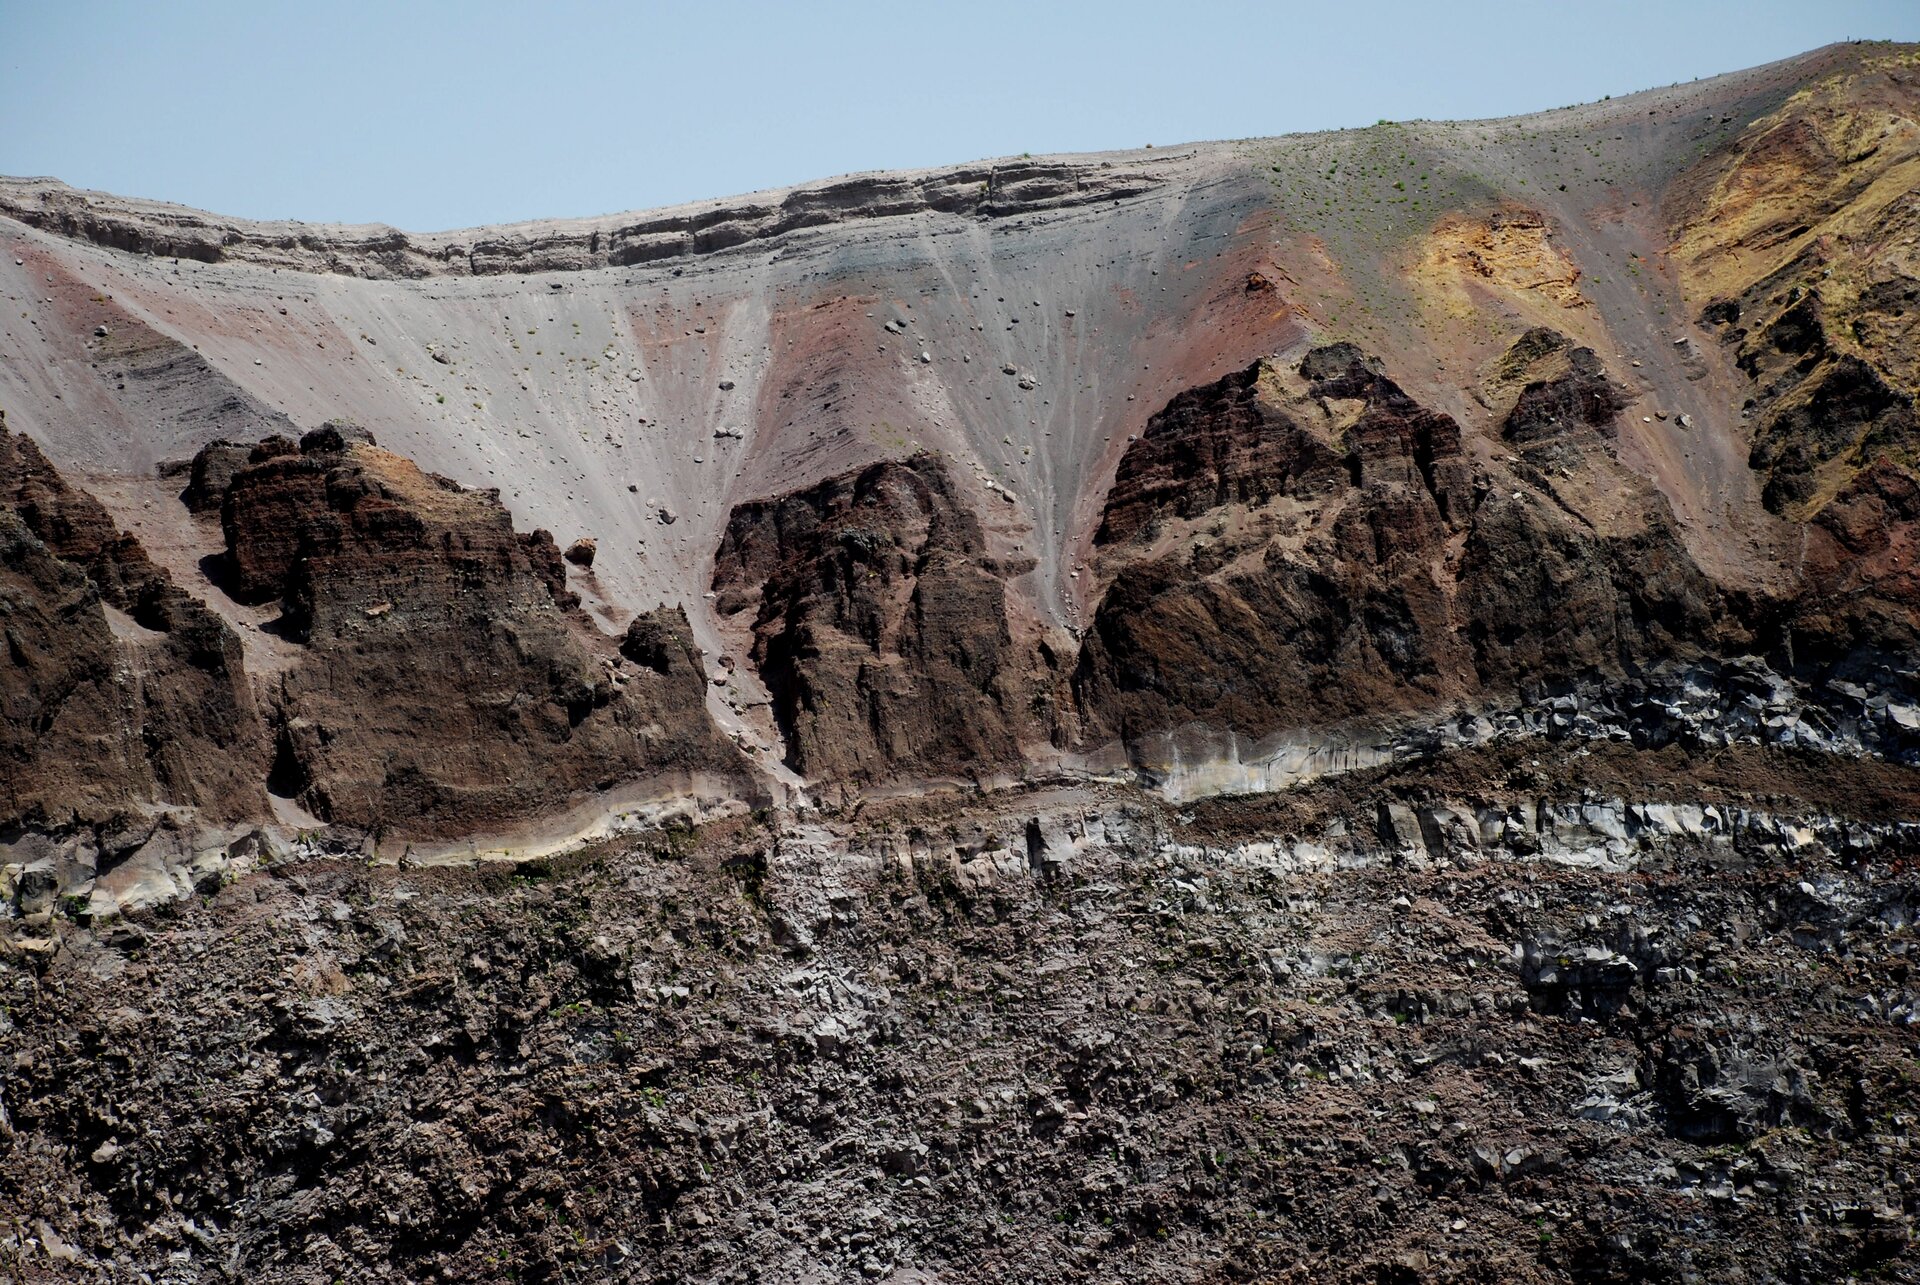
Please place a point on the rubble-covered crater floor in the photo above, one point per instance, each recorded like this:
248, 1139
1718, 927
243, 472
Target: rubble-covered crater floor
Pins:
1437, 1021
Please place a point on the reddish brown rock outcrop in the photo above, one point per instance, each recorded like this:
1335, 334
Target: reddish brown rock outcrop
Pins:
1862, 598
120, 689
1314, 600
1384, 579
880, 625
1580, 397
1211, 446
442, 688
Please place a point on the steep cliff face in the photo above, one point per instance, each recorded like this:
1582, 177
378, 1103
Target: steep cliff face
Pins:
1018, 462
1391, 574
880, 625
439, 687
1861, 608
1805, 241
122, 691
1298, 543
1516, 519
1299, 581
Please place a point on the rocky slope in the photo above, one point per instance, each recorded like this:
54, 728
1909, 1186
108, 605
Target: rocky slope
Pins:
1516, 517
1485, 1019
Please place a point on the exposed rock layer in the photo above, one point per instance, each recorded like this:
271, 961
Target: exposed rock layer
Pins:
440, 687
122, 691
1466, 1021
880, 625
995, 190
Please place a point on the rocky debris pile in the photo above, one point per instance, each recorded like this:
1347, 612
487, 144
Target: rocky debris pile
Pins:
1743, 701
1076, 1037
51, 879
1613, 834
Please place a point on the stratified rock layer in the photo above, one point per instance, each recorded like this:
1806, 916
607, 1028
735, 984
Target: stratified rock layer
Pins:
121, 690
440, 687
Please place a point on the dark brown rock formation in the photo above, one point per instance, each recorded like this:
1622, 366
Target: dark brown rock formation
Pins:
1821, 412
1580, 397
1311, 593
880, 625
1288, 546
120, 689
1383, 579
1542, 596
442, 688
543, 555
1214, 445
213, 467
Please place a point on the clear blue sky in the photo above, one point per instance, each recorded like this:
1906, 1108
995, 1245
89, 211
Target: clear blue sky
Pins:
436, 115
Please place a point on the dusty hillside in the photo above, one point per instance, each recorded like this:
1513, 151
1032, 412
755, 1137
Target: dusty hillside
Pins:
638, 379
